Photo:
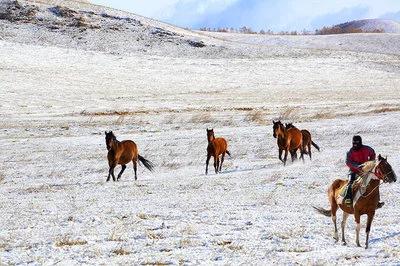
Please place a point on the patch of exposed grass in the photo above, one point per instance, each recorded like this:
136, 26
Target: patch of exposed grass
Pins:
145, 216
121, 252
203, 118
67, 241
154, 236
256, 116
287, 113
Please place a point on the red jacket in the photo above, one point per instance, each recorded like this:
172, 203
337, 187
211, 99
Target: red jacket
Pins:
357, 157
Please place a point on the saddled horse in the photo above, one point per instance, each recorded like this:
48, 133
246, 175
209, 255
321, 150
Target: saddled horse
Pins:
215, 148
367, 203
123, 152
307, 141
288, 140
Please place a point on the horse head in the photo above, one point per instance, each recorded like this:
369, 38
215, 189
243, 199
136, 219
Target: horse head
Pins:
289, 125
110, 139
210, 134
384, 171
278, 128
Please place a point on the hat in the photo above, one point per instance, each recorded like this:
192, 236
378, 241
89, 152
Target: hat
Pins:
357, 138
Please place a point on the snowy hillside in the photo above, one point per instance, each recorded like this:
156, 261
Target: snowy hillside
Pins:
60, 93
369, 25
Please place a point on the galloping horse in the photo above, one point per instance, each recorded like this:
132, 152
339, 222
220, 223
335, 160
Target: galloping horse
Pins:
123, 152
288, 140
307, 141
215, 148
367, 203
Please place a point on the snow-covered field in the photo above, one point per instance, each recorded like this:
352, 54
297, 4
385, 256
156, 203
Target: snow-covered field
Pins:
57, 102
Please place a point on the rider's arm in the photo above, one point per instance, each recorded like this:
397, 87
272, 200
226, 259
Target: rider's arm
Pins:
371, 154
354, 167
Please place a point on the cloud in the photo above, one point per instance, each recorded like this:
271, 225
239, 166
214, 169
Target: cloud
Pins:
276, 15
344, 15
392, 15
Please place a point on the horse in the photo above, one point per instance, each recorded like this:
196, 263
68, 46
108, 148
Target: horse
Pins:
288, 140
307, 141
215, 148
123, 152
372, 173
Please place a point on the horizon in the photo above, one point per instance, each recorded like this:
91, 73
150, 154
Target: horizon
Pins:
285, 15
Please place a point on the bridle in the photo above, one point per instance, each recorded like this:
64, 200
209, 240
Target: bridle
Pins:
378, 173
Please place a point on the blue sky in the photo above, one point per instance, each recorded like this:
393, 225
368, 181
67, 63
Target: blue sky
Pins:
276, 15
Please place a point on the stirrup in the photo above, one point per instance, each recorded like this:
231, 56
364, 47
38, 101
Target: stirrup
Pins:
347, 202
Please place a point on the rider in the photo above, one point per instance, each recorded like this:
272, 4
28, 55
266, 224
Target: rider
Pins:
356, 156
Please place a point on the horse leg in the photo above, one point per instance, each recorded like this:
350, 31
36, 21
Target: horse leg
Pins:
285, 157
207, 161
135, 168
309, 149
222, 160
334, 208
345, 216
369, 222
112, 172
215, 164
280, 154
122, 170
358, 227
293, 154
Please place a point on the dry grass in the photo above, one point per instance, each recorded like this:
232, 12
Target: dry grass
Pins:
67, 241
121, 252
115, 236
287, 113
189, 230
2, 177
204, 117
229, 245
323, 116
111, 113
171, 165
154, 236
145, 216
256, 116
120, 120
156, 263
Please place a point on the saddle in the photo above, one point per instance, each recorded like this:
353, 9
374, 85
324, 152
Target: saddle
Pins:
358, 188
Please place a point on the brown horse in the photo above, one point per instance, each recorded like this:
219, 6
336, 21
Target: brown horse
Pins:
123, 152
288, 140
215, 148
367, 203
307, 141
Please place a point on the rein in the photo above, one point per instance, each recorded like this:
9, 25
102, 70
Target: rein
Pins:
374, 171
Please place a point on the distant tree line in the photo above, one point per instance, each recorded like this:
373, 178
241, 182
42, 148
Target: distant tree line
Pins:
343, 30
322, 31
248, 30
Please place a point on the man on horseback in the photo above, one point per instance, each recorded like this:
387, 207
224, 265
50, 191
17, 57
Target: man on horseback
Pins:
356, 156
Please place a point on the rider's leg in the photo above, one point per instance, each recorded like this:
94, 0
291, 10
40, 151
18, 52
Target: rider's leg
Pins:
349, 193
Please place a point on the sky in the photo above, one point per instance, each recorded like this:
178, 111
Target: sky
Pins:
276, 15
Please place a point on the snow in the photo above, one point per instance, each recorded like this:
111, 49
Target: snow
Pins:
57, 101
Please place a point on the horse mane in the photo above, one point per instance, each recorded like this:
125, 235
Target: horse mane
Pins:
368, 166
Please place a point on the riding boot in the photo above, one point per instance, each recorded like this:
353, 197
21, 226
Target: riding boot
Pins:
348, 199
349, 194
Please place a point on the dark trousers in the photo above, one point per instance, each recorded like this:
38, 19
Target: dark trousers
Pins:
349, 192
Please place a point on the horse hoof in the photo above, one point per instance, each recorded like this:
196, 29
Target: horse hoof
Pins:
344, 243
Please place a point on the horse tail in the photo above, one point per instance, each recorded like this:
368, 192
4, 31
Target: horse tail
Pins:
227, 152
315, 145
149, 165
322, 211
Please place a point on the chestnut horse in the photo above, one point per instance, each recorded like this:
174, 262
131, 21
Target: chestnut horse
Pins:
215, 148
367, 203
307, 141
123, 152
288, 140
